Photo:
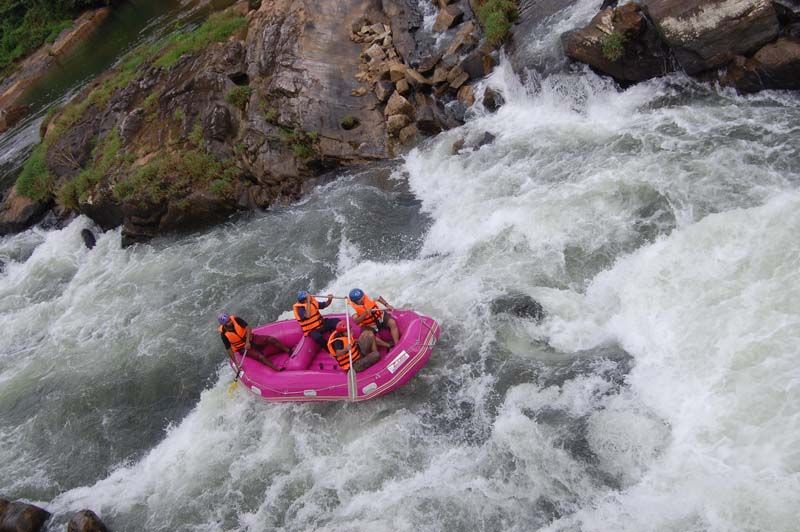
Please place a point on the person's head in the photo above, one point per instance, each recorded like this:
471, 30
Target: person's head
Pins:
356, 295
341, 327
223, 318
301, 296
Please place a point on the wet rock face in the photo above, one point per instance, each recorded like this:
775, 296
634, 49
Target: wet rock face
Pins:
21, 517
621, 43
18, 212
706, 34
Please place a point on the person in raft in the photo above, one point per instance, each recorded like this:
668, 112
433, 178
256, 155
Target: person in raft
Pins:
306, 312
237, 336
369, 316
339, 347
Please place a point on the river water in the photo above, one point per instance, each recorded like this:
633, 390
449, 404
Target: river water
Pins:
657, 227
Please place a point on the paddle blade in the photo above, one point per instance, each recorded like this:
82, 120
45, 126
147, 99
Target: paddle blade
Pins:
352, 389
232, 387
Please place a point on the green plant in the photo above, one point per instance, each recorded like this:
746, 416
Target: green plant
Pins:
349, 122
217, 28
301, 143
178, 115
104, 156
151, 101
613, 46
270, 113
239, 96
496, 18
35, 181
196, 135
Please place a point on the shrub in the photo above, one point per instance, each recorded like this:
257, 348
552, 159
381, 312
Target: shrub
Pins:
613, 46
217, 28
349, 122
239, 96
496, 18
35, 181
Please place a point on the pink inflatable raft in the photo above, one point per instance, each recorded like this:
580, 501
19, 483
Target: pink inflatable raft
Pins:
311, 374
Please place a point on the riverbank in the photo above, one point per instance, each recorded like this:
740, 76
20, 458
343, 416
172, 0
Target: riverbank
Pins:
26, 72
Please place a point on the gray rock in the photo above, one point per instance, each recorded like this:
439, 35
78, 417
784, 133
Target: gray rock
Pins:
218, 123
519, 305
705, 34
86, 521
775, 66
21, 517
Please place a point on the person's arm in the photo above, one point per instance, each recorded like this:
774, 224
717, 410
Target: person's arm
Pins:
248, 336
385, 303
325, 304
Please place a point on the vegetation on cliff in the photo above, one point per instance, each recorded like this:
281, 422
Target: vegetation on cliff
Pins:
25, 25
496, 18
185, 168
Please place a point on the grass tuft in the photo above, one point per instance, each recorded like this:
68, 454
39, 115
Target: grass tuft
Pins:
217, 28
496, 18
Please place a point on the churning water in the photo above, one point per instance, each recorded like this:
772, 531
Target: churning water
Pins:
658, 227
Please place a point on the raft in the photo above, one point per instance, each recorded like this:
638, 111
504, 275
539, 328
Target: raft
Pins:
311, 374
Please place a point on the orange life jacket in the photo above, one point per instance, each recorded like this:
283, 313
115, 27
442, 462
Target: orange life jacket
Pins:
313, 319
237, 337
344, 359
371, 308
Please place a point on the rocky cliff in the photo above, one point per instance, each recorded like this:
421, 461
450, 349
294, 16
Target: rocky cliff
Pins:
248, 110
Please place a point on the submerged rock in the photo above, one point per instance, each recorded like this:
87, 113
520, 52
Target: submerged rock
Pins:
86, 521
88, 238
21, 517
519, 305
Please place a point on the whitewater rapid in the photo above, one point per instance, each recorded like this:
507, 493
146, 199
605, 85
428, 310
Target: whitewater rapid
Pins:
658, 228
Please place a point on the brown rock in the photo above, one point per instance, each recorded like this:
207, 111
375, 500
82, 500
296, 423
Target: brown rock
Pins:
397, 105
374, 53
426, 119
415, 79
241, 8
448, 17
11, 116
456, 77
439, 75
466, 95
620, 43
457, 146
705, 34
395, 123
408, 134
478, 64
775, 66
466, 37
427, 65
359, 91
87, 520
492, 100
21, 517
397, 71
383, 89
402, 87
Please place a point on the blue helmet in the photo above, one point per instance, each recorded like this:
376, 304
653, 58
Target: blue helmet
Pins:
223, 318
302, 295
356, 294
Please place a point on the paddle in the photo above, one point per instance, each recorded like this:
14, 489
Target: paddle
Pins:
352, 384
232, 386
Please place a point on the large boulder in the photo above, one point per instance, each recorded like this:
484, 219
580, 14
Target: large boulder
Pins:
519, 305
18, 212
621, 43
21, 517
775, 66
706, 34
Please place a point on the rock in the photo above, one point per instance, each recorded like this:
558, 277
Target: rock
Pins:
775, 66
519, 305
87, 520
404, 19
465, 39
448, 17
487, 139
21, 517
478, 64
457, 146
457, 77
131, 125
609, 3
456, 111
383, 89
466, 95
492, 100
427, 65
397, 71
374, 53
416, 80
88, 238
407, 134
68, 153
11, 116
619, 42
705, 34
439, 75
427, 121
402, 87
218, 124
395, 123
18, 212
397, 105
